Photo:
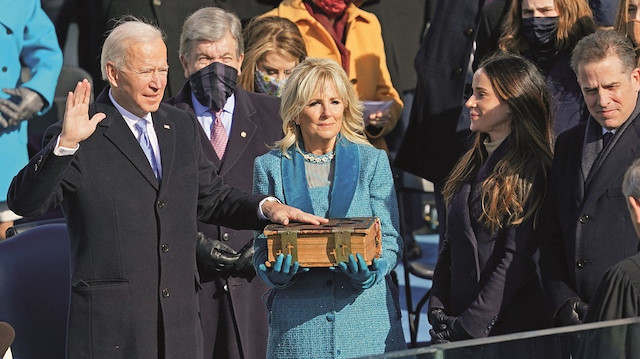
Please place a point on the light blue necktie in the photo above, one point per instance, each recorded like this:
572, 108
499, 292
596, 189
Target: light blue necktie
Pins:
141, 125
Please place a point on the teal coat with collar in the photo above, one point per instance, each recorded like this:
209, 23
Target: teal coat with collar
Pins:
321, 314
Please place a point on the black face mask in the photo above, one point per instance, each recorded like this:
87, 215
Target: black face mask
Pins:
212, 85
540, 33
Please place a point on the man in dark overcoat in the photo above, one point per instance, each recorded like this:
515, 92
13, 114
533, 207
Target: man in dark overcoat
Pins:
132, 180
586, 228
234, 318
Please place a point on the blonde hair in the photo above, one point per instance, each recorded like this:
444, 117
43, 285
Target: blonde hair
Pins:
265, 34
309, 77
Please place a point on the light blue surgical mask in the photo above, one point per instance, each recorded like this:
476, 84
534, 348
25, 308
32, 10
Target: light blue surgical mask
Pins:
268, 84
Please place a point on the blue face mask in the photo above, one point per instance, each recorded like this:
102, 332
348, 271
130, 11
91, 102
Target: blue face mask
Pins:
540, 33
268, 85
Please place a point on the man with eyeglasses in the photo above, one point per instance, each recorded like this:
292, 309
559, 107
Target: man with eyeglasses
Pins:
132, 180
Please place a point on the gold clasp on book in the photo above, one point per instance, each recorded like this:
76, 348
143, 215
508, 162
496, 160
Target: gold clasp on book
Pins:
342, 238
289, 243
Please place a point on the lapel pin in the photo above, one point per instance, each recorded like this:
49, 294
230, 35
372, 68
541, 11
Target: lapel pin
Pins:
167, 127
243, 134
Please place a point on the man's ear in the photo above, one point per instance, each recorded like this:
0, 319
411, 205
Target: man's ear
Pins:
112, 74
634, 208
183, 61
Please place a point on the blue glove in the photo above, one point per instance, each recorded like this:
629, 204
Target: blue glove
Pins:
282, 271
361, 276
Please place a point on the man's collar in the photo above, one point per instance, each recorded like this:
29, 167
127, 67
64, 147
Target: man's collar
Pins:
128, 116
200, 109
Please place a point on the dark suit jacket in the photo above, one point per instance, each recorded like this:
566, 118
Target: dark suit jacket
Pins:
432, 145
488, 280
586, 231
256, 124
134, 277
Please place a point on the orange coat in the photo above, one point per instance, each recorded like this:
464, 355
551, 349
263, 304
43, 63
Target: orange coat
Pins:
368, 63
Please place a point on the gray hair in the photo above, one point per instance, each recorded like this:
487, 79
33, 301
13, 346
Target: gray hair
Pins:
631, 181
128, 29
210, 24
597, 46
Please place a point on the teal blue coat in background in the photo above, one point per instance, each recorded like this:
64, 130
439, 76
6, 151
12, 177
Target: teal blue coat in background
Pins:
27, 35
321, 314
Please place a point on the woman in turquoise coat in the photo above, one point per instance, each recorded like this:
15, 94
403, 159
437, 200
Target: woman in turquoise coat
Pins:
325, 165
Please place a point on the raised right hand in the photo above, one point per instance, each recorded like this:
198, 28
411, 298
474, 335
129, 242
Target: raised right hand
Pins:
77, 126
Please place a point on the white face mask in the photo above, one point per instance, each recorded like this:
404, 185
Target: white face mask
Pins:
268, 85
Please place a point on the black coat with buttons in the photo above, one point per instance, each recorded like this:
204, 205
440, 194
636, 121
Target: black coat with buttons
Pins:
234, 318
588, 230
488, 280
134, 277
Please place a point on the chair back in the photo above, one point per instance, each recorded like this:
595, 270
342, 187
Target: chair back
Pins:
35, 290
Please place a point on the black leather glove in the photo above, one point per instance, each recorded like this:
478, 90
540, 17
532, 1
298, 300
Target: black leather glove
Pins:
244, 264
215, 256
438, 319
22, 105
572, 312
452, 329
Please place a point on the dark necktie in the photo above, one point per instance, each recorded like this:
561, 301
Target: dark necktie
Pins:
606, 138
145, 143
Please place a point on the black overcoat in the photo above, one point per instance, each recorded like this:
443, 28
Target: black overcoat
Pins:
588, 230
234, 318
134, 276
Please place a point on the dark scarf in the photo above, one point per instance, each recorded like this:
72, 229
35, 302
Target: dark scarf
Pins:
212, 85
336, 30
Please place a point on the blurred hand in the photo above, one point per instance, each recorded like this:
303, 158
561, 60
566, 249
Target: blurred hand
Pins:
23, 104
282, 272
572, 312
215, 256
378, 119
281, 213
77, 126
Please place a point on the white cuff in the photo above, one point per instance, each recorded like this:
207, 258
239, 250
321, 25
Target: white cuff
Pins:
268, 199
64, 151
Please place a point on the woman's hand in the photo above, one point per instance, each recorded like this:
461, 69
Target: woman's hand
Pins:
378, 119
361, 275
282, 271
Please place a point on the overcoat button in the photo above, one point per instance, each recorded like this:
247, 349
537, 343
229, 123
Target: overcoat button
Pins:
226, 288
585, 218
330, 317
165, 293
458, 70
4, 69
165, 248
469, 31
161, 204
581, 263
225, 236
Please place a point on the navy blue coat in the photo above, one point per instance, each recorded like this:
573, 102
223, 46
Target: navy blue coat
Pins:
488, 280
586, 231
234, 319
441, 64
